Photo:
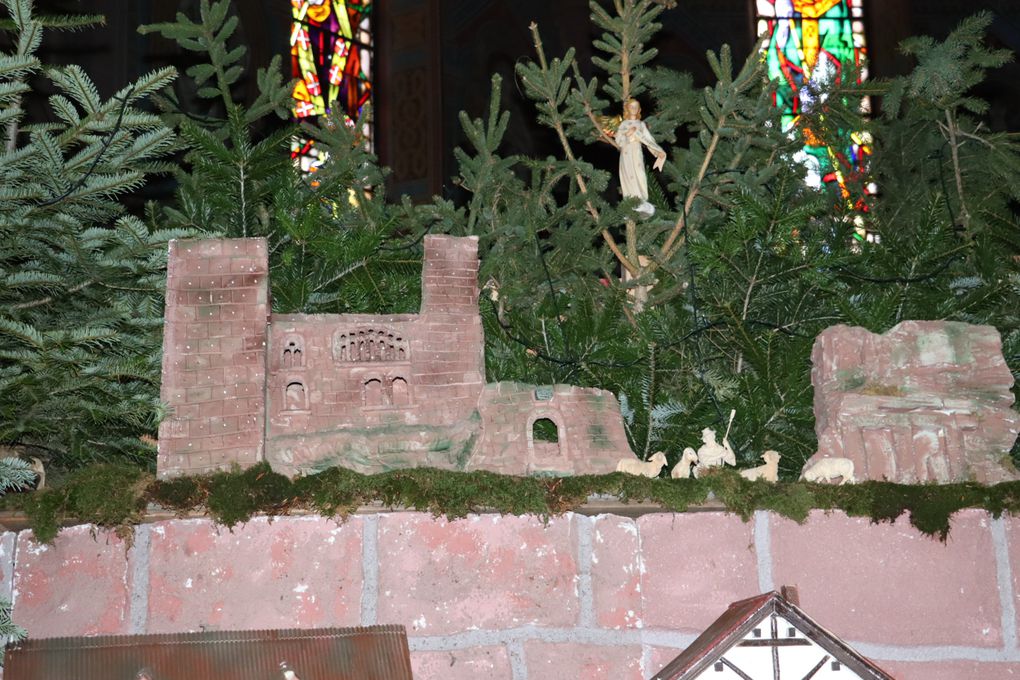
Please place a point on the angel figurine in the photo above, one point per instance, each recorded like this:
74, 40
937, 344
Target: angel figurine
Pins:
631, 134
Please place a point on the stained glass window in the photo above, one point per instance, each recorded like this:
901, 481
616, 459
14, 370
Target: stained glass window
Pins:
331, 58
812, 43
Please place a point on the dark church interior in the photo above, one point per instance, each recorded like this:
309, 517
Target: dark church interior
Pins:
435, 58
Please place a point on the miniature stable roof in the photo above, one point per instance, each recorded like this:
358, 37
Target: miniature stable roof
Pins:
365, 653
736, 628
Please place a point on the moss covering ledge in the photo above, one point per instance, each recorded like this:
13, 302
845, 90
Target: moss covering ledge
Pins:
118, 497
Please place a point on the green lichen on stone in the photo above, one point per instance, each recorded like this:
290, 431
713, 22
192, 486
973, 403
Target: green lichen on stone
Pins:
597, 436
850, 380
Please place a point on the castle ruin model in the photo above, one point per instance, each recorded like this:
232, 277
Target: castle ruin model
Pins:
926, 401
368, 392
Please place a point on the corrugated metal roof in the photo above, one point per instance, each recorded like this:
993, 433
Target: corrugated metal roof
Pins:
369, 653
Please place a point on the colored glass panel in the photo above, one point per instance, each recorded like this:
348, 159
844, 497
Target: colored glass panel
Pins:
331, 60
812, 43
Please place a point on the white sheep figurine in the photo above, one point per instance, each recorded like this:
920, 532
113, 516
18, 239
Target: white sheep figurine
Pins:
828, 469
682, 470
637, 467
769, 471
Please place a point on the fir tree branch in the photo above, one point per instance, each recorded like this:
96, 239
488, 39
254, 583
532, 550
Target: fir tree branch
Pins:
954, 148
581, 184
676, 237
99, 156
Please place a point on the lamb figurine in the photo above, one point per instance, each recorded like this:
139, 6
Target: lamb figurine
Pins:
769, 471
637, 467
828, 469
682, 470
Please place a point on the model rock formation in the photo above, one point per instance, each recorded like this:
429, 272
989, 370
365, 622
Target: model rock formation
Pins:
367, 392
927, 401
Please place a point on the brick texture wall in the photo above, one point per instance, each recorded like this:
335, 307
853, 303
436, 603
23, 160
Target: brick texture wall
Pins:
214, 355
520, 598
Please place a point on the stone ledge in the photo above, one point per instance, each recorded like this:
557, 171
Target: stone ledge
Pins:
17, 521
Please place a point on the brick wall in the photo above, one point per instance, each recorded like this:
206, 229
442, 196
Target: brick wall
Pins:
517, 598
214, 355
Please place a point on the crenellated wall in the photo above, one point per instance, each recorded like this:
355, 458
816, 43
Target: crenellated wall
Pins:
517, 598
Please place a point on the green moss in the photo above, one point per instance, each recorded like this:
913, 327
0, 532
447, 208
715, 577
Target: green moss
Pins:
180, 494
235, 497
115, 496
107, 495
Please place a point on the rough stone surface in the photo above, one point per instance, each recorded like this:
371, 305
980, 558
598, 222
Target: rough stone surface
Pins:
491, 663
571, 661
289, 573
889, 584
590, 435
483, 572
616, 572
79, 585
368, 392
925, 401
951, 670
695, 566
7, 543
1013, 555
214, 344
514, 597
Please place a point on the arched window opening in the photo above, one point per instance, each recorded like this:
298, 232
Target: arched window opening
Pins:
401, 394
293, 356
545, 430
374, 395
295, 398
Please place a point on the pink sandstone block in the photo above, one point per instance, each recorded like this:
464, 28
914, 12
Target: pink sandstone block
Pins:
696, 564
569, 661
950, 670
1013, 546
7, 541
616, 572
79, 585
660, 656
890, 584
491, 663
293, 572
485, 571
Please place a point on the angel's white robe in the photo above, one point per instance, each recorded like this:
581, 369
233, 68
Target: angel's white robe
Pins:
633, 182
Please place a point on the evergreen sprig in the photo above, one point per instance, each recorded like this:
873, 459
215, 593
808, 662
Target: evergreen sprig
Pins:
81, 281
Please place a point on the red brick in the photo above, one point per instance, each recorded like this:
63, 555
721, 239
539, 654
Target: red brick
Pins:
491, 663
1013, 545
659, 657
888, 583
76, 586
567, 661
292, 572
488, 572
696, 564
7, 541
616, 572
949, 670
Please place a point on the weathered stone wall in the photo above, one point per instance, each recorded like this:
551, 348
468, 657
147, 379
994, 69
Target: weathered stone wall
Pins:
214, 342
925, 401
590, 436
449, 368
519, 598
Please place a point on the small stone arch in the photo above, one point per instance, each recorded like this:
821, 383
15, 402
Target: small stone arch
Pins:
295, 396
401, 391
544, 454
374, 392
293, 355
